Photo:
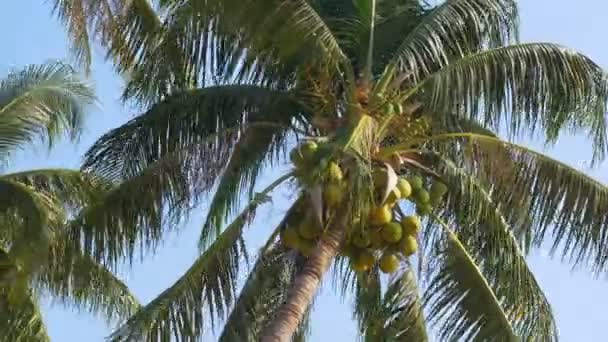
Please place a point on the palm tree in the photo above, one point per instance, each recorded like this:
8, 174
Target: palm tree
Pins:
37, 259
377, 90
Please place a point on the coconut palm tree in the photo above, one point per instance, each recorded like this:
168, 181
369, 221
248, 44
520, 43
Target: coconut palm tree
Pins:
43, 102
389, 97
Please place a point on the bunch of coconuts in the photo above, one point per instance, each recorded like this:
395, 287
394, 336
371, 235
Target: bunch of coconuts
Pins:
380, 236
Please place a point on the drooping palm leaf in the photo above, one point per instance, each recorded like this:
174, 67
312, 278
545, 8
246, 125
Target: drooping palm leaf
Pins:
122, 220
490, 240
73, 188
459, 298
527, 88
565, 206
36, 216
256, 148
253, 37
183, 121
455, 29
22, 323
259, 298
41, 101
76, 280
205, 291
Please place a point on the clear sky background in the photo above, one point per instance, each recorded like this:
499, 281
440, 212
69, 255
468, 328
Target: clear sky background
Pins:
30, 35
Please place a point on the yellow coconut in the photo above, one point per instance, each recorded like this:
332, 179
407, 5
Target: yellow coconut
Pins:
389, 262
408, 245
391, 232
381, 215
410, 225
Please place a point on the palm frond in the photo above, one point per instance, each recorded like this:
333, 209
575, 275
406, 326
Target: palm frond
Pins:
109, 23
35, 215
459, 298
41, 101
73, 188
211, 118
248, 39
256, 148
22, 323
527, 88
394, 314
77, 280
489, 239
205, 291
454, 29
564, 206
260, 297
125, 219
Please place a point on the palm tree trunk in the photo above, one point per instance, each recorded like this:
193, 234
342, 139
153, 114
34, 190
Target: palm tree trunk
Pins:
303, 289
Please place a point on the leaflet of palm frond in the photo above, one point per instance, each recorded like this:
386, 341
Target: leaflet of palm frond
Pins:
41, 102
125, 219
77, 280
204, 293
251, 41
566, 206
523, 88
265, 287
36, 215
260, 297
74, 189
480, 224
256, 149
210, 117
458, 299
367, 304
402, 309
395, 18
23, 323
456, 28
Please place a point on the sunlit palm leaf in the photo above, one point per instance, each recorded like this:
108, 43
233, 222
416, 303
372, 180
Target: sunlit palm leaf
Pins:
260, 297
257, 147
35, 215
183, 121
526, 88
204, 293
73, 188
22, 323
459, 298
75, 279
565, 206
41, 101
454, 29
252, 38
123, 220
480, 225
391, 314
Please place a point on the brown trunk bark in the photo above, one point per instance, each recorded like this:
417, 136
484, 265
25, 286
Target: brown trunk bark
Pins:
303, 289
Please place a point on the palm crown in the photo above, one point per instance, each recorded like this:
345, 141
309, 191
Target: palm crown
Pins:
36, 256
390, 87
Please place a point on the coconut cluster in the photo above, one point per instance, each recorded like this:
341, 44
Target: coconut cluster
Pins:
383, 234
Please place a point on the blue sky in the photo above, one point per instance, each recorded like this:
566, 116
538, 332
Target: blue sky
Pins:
29, 35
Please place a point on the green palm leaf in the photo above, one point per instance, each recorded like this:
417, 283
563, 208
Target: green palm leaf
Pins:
390, 314
208, 119
22, 323
122, 220
565, 206
460, 299
40, 101
208, 286
456, 28
260, 297
77, 280
73, 188
35, 216
256, 148
480, 225
254, 37
540, 86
